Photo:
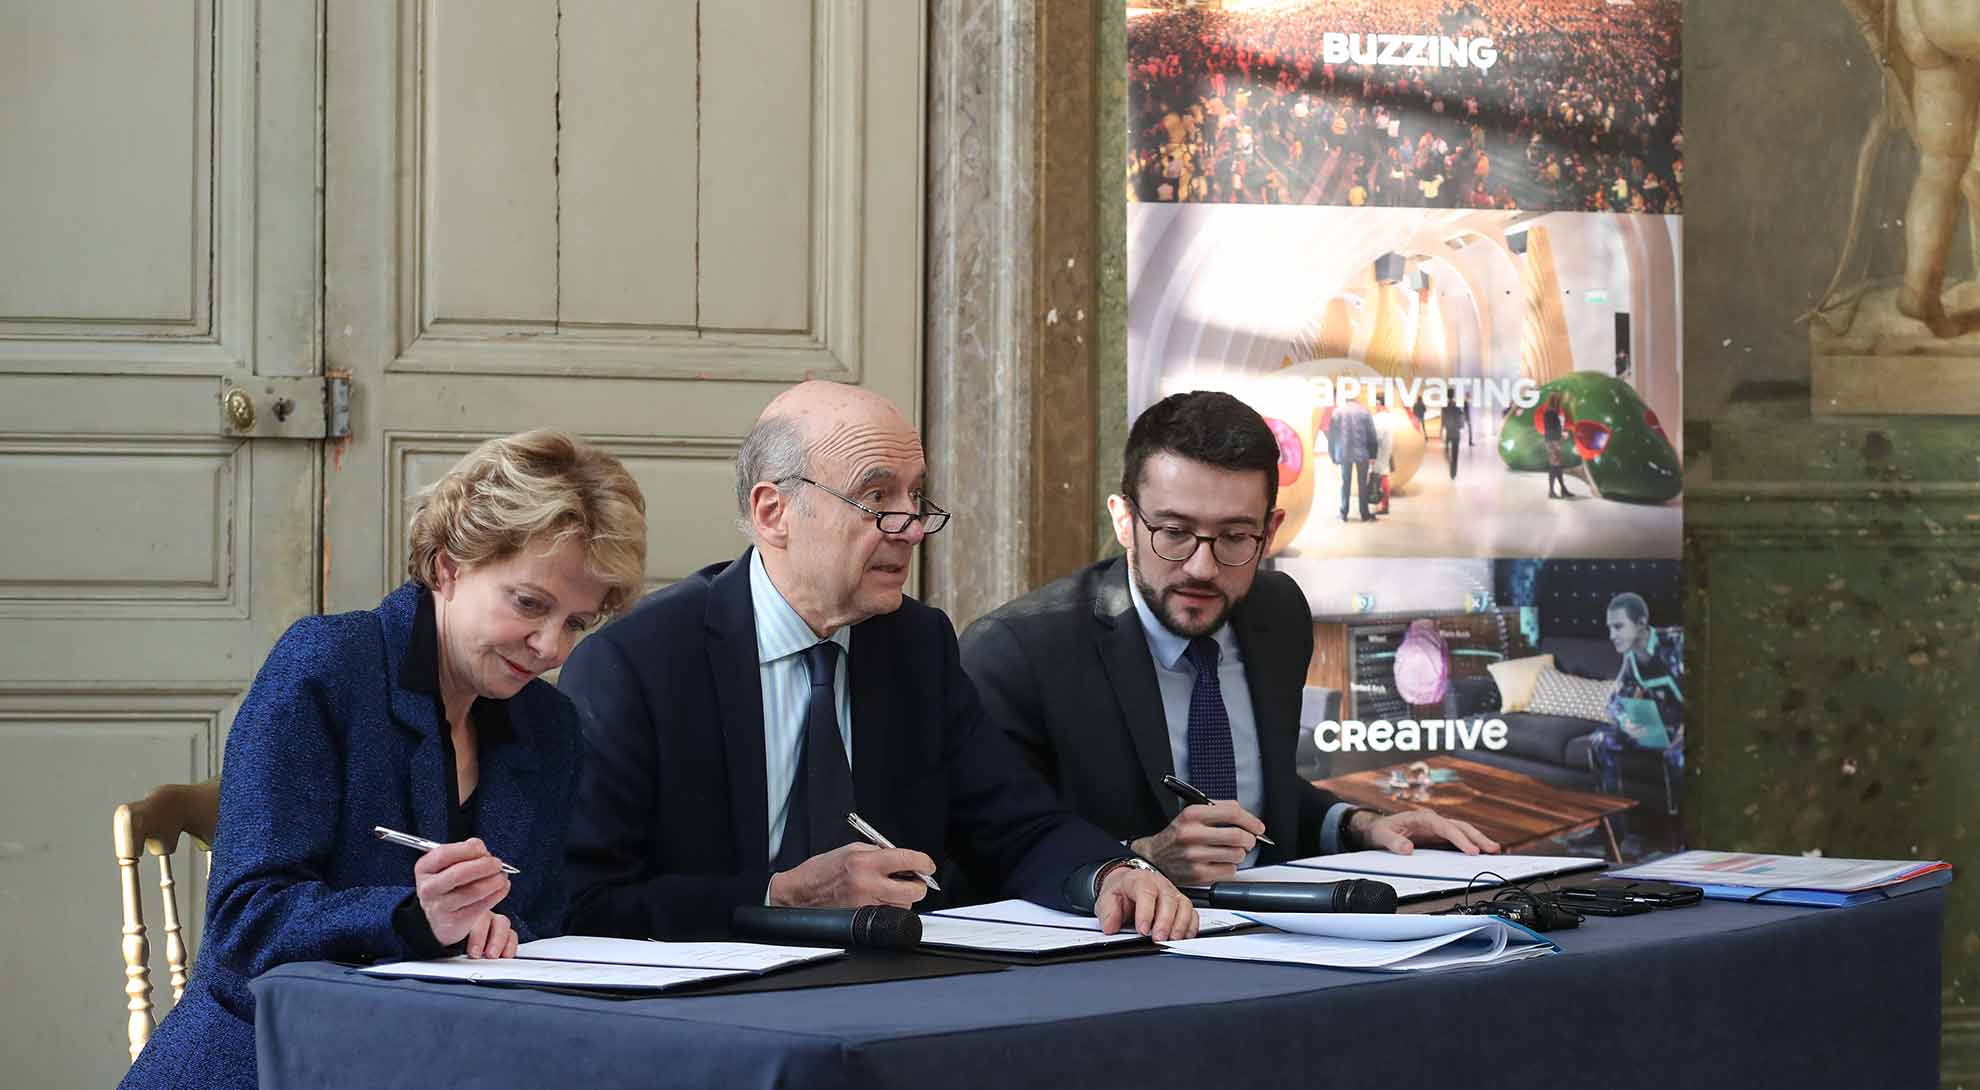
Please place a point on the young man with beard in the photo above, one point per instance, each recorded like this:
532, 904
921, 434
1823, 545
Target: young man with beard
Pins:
1181, 658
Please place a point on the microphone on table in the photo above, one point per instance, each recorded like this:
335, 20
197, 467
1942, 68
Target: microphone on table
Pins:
1351, 895
881, 927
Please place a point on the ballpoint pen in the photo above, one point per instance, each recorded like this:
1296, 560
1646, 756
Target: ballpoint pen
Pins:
418, 843
873, 836
1196, 797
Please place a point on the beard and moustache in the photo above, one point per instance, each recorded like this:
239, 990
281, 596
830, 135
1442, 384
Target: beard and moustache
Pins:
1171, 618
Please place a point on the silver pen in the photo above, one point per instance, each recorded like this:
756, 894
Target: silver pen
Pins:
873, 836
418, 843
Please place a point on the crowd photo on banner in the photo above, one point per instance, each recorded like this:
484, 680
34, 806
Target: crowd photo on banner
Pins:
1575, 106
1436, 245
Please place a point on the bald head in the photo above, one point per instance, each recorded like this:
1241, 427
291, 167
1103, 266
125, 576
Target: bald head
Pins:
844, 436
832, 563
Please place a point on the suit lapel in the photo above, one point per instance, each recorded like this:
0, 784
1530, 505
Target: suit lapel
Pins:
1265, 675
731, 623
1131, 674
418, 714
874, 709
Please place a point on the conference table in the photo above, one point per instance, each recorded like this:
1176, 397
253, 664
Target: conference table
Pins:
1719, 994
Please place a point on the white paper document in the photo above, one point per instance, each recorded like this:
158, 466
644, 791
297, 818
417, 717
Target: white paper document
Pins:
568, 974
1450, 865
1208, 920
989, 936
748, 957
1372, 942
588, 961
1406, 888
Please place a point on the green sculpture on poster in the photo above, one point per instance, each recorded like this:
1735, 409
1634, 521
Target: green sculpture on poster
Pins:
1609, 431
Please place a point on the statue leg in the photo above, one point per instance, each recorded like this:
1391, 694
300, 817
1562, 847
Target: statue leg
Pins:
1969, 187
1943, 99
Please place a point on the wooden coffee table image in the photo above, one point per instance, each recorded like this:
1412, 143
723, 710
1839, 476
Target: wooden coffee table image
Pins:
1512, 808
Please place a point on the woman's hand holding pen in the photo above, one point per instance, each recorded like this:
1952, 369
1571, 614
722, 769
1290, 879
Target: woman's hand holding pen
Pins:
458, 885
1203, 844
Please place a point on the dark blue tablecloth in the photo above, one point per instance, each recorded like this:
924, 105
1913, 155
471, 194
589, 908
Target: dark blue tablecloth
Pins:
1722, 994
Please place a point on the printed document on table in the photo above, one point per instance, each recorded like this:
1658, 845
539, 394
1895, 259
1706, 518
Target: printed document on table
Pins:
1450, 865
1013, 938
566, 974
1406, 888
1777, 871
749, 957
1208, 920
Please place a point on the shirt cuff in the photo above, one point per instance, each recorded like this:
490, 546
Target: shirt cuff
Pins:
1334, 829
410, 924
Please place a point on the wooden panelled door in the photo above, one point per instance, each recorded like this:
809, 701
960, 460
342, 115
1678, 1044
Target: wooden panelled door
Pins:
158, 246
635, 219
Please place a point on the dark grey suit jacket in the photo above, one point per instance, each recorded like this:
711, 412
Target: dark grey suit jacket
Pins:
1066, 672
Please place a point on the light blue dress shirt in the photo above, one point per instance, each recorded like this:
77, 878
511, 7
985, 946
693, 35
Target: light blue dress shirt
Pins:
1176, 676
781, 638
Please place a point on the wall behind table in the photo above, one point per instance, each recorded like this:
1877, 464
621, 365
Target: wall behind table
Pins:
1833, 565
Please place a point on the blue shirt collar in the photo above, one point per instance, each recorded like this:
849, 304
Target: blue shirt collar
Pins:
780, 632
1167, 647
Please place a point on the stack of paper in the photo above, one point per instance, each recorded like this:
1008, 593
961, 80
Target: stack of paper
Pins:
582, 961
1421, 874
1407, 889
1020, 927
1793, 879
1374, 943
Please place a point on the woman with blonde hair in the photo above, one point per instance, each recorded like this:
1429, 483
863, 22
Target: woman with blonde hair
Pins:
425, 715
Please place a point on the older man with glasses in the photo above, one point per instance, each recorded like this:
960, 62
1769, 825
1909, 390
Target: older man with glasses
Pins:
734, 721
1182, 659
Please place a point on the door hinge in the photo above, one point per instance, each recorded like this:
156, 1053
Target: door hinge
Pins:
285, 407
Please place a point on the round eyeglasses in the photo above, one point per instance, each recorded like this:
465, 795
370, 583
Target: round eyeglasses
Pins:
1230, 549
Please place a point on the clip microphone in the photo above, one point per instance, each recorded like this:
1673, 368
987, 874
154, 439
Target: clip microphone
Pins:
877, 926
1352, 895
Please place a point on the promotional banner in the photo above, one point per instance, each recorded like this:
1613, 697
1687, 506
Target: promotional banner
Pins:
1436, 245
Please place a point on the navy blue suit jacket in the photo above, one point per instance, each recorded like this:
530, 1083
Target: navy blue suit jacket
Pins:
672, 824
326, 746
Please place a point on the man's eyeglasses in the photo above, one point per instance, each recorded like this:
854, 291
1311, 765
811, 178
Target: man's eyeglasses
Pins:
932, 518
1231, 548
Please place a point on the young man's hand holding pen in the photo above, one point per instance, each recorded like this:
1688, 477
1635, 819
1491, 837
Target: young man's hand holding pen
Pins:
1204, 844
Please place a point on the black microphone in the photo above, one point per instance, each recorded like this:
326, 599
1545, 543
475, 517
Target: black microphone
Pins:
1352, 895
881, 926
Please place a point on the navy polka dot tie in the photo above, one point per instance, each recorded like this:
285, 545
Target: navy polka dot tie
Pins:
1212, 762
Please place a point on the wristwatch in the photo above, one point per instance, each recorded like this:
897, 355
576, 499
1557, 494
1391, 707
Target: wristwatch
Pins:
1132, 862
1350, 841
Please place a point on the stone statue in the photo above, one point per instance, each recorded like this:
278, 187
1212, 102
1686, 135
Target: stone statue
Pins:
1929, 53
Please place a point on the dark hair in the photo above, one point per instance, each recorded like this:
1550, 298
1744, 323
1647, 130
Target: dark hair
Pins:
1203, 426
1632, 606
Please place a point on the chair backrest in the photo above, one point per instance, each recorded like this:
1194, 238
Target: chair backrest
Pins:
153, 825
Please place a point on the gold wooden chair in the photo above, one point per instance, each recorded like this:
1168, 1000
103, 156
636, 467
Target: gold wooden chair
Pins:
155, 823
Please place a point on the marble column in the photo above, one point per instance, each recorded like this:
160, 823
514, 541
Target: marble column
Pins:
977, 382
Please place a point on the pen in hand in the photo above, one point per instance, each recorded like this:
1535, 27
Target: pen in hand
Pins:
1195, 797
419, 843
873, 837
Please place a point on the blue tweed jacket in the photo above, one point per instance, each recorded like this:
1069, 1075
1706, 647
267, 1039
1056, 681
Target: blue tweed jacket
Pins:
326, 746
